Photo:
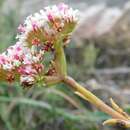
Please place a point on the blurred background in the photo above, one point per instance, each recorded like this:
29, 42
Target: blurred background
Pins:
98, 57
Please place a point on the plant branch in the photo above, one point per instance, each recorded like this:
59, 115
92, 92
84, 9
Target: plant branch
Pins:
60, 59
52, 80
92, 98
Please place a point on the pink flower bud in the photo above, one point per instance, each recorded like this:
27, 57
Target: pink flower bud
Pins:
35, 41
21, 28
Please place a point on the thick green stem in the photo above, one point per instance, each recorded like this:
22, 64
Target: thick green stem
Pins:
60, 59
52, 80
92, 98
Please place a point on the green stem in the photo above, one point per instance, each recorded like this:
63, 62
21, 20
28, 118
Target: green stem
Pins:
60, 59
86, 94
52, 80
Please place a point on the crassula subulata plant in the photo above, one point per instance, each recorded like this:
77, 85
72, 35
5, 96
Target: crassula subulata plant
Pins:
47, 33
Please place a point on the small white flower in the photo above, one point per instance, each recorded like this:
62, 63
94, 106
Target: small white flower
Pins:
27, 80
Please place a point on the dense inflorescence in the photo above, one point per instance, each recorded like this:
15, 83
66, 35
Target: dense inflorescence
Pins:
40, 32
21, 62
49, 25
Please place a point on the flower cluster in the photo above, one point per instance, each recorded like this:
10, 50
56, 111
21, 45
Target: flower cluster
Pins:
38, 35
21, 62
49, 25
